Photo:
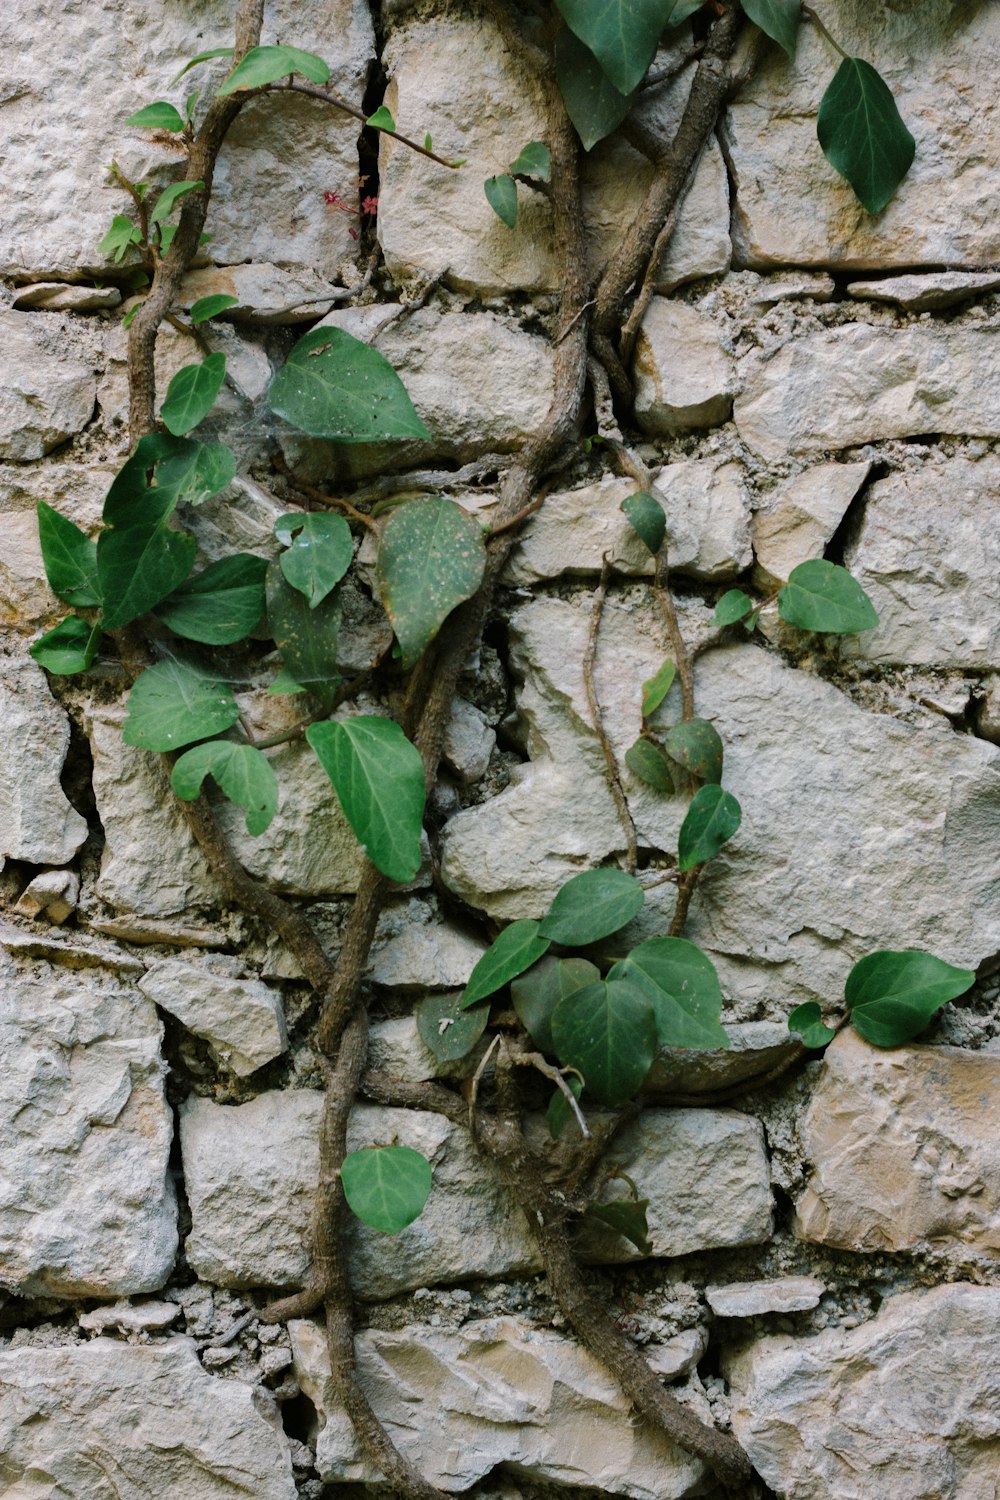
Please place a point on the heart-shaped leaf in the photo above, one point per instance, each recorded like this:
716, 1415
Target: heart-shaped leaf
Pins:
173, 704
307, 638
807, 1021
516, 949
778, 19
191, 394
158, 116
210, 307
592, 905
70, 559
201, 57
697, 746
447, 1030
622, 34
267, 64
501, 195
140, 560
683, 988
536, 994
119, 237
379, 780
893, 995
169, 198
822, 596
68, 647
431, 557
734, 605
655, 689
607, 1031
241, 772
386, 1186
221, 604
319, 552
862, 134
334, 386
647, 518
647, 761
712, 818
382, 120
627, 1217
592, 102
533, 160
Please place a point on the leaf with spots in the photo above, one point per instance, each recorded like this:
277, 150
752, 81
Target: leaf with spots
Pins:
334, 386
446, 1030
696, 745
306, 637
431, 557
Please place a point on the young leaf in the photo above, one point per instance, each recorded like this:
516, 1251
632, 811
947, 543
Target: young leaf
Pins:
821, 596
169, 197
191, 394
118, 238
647, 761
448, 1031
266, 64
501, 195
210, 307
656, 689
893, 996
778, 19
592, 102
202, 57
592, 905
189, 106
516, 949
166, 237
379, 780
862, 135
682, 986
158, 116
627, 1217
734, 605
386, 1186
533, 160
334, 386
68, 647
622, 34
173, 704
320, 549
712, 818
607, 1031
70, 559
241, 772
697, 747
536, 994
382, 120
140, 560
220, 605
647, 519
559, 1114
431, 557
306, 638
807, 1021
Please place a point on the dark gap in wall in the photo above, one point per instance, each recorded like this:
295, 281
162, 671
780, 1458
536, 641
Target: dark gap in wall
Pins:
368, 142
77, 779
850, 522
300, 1419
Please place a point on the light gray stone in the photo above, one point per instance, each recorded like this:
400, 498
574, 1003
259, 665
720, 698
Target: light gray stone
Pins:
45, 397
60, 296
131, 1317
396, 1049
928, 554
495, 1391
857, 384
107, 1418
77, 491
904, 1407
929, 292
683, 375
241, 1019
264, 293
750, 1299
468, 742
755, 1047
801, 518
814, 286
426, 958
37, 822
53, 895
989, 709
792, 208
86, 1205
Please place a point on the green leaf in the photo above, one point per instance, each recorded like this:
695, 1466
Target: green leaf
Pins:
516, 949
191, 394
448, 1031
68, 647
306, 638
778, 19
189, 106
734, 605
169, 197
140, 560
334, 386
266, 64
607, 1031
697, 747
70, 558
158, 116
431, 557
647, 518
118, 238
173, 704
501, 195
320, 551
656, 689
862, 135
220, 605
209, 307
821, 596
536, 994
591, 906
379, 780
893, 996
284, 684
382, 119
199, 473
559, 1114
533, 160
241, 772
202, 57
647, 761
592, 102
627, 1217
386, 1186
807, 1021
166, 232
623, 34
683, 987
712, 818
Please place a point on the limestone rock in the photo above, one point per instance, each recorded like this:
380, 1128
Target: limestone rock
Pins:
749, 1299
902, 1407
52, 894
86, 1205
45, 397
857, 384
929, 292
241, 1019
767, 291
264, 293
989, 709
37, 823
903, 1154
755, 1047
468, 742
801, 519
131, 1317
60, 296
426, 958
396, 1048
110, 1418
683, 375
928, 554
495, 1391
792, 208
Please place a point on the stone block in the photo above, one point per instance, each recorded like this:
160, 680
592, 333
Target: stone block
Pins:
930, 292
684, 377
799, 521
241, 1019
45, 397
37, 822
751, 1299
264, 293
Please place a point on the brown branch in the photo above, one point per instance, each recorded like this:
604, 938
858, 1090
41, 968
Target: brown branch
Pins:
357, 114
682, 659
399, 1094
611, 775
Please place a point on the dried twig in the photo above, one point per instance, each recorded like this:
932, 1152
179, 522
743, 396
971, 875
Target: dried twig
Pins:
611, 775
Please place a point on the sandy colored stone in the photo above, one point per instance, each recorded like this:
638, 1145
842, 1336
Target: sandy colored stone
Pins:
801, 518
683, 375
750, 1299
929, 292
53, 895
46, 397
264, 293
37, 822
989, 709
427, 958
61, 296
241, 1019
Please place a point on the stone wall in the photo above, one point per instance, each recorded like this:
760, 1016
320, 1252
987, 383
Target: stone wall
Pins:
825, 1271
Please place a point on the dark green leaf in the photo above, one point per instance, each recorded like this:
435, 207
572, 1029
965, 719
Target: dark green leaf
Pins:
173, 704
189, 106
430, 558
118, 238
221, 604
607, 1031
386, 1186
68, 647
198, 473
140, 560
320, 551
591, 906
516, 949
712, 819
284, 684
862, 135
202, 57
819, 595
697, 747
70, 558
334, 386
534, 160
448, 1031
241, 772
382, 120
306, 638
647, 761
807, 1021
592, 102
622, 34
379, 780
683, 987
169, 197
191, 394
536, 994
559, 1114
734, 605
501, 195
158, 116
656, 689
778, 19
266, 64
627, 1217
893, 996
647, 518
209, 307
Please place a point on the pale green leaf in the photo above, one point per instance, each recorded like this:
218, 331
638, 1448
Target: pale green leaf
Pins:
210, 307
656, 689
170, 196
386, 1186
173, 704
734, 605
382, 120
158, 116
822, 596
201, 57
119, 237
68, 647
379, 780
264, 65
241, 772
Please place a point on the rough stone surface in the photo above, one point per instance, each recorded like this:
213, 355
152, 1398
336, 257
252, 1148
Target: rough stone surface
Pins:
801, 519
989, 709
86, 1207
131, 1317
857, 383
45, 397
105, 1418
52, 895
77, 491
427, 958
241, 1019
495, 1391
59, 296
683, 375
755, 1047
903, 1151
749, 1299
37, 822
904, 1407
264, 293
468, 742
927, 293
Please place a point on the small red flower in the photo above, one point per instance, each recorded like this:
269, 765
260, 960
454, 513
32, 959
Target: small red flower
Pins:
369, 205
